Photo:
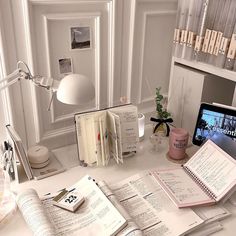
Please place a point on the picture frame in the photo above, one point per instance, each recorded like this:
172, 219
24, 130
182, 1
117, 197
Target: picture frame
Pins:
65, 66
80, 37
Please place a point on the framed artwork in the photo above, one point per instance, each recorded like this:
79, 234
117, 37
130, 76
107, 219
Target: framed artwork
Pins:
80, 37
65, 66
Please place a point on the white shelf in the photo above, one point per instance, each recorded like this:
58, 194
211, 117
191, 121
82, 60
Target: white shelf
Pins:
230, 75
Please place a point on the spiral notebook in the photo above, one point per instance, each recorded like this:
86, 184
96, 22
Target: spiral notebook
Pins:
207, 178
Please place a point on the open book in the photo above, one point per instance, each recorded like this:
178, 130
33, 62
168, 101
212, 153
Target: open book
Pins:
107, 133
154, 212
208, 177
133, 207
100, 214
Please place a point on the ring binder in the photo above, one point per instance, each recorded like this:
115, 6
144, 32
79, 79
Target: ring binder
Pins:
207, 178
200, 183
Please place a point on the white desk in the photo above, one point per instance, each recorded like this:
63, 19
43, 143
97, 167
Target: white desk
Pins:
143, 160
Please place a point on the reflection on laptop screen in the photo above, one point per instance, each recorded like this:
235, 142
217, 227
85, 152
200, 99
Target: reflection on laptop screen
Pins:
219, 125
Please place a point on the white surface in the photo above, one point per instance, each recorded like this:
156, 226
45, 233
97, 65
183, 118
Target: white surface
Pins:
143, 160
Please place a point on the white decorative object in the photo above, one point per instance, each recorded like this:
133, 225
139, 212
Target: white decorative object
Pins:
141, 126
75, 89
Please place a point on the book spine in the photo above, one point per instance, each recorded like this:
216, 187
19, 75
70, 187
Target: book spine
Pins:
200, 183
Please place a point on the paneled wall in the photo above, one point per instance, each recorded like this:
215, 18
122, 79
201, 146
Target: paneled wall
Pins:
152, 39
129, 54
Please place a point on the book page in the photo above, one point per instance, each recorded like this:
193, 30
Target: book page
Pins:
208, 229
96, 216
151, 208
215, 168
104, 138
113, 137
212, 213
83, 144
181, 188
88, 127
34, 214
119, 138
132, 228
97, 137
80, 141
88, 132
129, 126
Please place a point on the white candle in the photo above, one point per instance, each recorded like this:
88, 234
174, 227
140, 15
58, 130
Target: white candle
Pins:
141, 126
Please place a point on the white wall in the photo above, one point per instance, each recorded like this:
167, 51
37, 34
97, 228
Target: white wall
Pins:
130, 56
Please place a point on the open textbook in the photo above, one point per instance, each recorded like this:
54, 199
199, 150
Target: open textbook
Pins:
155, 214
96, 216
133, 207
112, 132
207, 178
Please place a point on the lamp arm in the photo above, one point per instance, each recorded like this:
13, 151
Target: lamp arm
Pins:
10, 83
14, 73
50, 102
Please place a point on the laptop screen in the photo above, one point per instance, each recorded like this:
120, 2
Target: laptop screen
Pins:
218, 124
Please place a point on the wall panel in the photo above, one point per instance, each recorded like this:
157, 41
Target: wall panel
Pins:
152, 45
51, 28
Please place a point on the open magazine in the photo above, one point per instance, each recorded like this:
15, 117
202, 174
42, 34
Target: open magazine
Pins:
135, 206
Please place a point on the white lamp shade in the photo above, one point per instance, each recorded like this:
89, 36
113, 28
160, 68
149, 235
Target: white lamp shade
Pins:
75, 89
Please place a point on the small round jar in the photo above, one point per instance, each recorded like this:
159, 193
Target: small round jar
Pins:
38, 156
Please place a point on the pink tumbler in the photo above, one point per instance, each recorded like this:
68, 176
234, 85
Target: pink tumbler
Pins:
178, 142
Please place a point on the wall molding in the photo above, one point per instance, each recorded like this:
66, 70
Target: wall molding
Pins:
30, 59
58, 132
147, 14
53, 2
109, 6
131, 47
92, 17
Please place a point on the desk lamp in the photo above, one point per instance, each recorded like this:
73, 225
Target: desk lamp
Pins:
73, 89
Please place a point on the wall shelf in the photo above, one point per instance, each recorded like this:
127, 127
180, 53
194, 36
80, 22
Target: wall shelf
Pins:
227, 74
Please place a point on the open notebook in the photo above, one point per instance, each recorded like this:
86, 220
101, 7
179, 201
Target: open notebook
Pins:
208, 177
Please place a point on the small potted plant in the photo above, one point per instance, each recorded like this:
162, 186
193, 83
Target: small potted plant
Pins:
163, 116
